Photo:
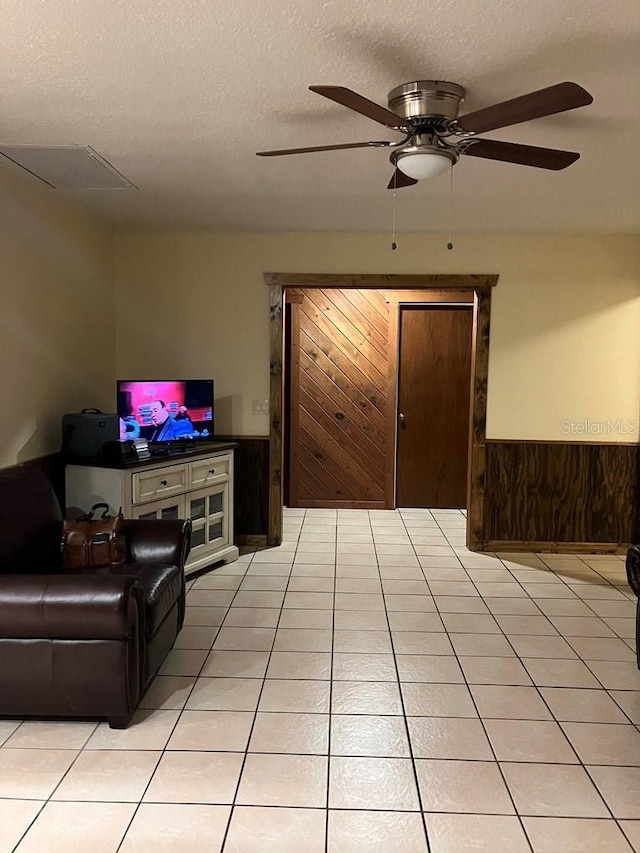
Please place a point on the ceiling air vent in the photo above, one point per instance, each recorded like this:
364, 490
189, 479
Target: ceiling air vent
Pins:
67, 167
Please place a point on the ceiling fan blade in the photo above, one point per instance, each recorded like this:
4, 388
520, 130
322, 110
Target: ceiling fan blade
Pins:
399, 180
361, 105
381, 144
525, 155
544, 102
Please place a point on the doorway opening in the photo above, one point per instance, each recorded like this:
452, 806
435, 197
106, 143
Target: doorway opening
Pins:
461, 302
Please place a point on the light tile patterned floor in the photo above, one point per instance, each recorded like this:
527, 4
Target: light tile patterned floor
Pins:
366, 686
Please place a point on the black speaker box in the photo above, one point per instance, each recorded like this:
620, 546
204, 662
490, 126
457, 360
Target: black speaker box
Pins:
84, 433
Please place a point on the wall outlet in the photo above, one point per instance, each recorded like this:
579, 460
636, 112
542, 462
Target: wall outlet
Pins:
260, 407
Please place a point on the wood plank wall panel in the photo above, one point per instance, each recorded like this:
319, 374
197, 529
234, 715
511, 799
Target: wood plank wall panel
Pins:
251, 487
555, 492
342, 398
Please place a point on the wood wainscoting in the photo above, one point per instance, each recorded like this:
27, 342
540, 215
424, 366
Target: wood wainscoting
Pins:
251, 489
561, 496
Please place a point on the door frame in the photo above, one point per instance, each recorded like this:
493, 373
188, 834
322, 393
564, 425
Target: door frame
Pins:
399, 289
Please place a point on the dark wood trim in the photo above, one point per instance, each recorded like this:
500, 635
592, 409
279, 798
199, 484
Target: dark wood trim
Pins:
248, 542
391, 426
430, 296
478, 420
346, 504
561, 442
241, 438
274, 535
294, 403
380, 282
479, 285
503, 546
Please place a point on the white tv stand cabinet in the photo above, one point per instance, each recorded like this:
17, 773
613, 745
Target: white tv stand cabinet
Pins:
196, 484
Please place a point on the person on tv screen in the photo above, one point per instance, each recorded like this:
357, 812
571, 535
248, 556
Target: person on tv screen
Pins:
166, 427
183, 414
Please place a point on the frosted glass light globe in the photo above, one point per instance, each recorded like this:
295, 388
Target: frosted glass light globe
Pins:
423, 165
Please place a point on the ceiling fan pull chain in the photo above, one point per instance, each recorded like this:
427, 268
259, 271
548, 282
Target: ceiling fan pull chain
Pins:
450, 243
394, 245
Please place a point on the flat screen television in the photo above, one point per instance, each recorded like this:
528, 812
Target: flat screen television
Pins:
165, 410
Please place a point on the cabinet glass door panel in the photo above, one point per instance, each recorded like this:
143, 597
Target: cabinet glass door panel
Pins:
216, 502
216, 530
170, 512
166, 508
211, 526
198, 537
198, 506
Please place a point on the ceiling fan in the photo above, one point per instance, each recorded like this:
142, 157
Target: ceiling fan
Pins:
426, 112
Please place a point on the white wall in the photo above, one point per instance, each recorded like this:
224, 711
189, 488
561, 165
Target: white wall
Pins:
57, 331
565, 347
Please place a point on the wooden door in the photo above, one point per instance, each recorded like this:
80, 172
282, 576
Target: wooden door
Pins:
337, 398
434, 393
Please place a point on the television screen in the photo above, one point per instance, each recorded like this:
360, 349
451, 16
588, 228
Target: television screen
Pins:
165, 410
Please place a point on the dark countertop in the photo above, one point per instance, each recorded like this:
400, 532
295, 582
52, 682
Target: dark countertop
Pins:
166, 455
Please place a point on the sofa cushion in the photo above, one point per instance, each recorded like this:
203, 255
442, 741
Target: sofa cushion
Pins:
68, 607
162, 586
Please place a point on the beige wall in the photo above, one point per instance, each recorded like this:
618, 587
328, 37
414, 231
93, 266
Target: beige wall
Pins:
565, 347
57, 332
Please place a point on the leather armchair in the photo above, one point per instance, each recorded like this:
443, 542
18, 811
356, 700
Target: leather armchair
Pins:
85, 644
633, 575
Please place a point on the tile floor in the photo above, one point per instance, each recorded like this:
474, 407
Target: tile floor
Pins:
368, 687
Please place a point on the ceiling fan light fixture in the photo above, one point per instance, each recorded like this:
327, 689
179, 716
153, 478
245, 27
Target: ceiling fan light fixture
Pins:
424, 164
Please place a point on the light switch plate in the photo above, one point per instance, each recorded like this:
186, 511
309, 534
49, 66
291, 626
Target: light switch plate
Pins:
260, 407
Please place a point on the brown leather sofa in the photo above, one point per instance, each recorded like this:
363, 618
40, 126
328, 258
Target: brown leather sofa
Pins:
84, 644
633, 574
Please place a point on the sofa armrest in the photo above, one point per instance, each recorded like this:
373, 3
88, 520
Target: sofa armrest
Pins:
633, 568
158, 540
70, 607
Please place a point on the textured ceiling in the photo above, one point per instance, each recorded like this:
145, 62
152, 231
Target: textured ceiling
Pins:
179, 95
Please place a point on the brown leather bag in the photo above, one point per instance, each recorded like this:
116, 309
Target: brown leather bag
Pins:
91, 542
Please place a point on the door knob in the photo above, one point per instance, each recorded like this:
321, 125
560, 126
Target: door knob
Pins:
401, 417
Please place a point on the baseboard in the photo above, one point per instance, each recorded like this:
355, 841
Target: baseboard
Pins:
341, 505
250, 541
556, 547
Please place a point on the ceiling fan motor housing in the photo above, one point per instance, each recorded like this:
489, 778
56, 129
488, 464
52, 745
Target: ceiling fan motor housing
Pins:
427, 99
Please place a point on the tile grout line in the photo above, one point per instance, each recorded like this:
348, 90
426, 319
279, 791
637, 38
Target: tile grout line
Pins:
184, 707
255, 714
412, 756
330, 720
486, 734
